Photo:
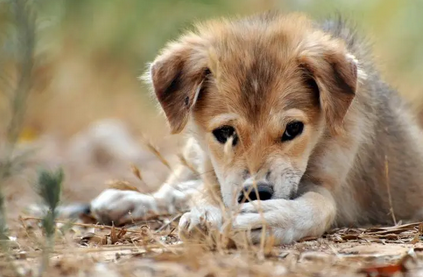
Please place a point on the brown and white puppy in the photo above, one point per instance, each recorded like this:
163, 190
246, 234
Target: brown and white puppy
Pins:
285, 110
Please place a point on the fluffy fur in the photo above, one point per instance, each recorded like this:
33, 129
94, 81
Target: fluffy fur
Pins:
358, 160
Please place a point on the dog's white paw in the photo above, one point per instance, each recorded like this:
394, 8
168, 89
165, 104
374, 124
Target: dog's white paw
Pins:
286, 221
199, 222
282, 228
122, 206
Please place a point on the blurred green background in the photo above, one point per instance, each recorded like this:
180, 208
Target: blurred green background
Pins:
92, 51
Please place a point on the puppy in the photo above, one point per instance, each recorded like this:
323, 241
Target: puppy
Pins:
290, 129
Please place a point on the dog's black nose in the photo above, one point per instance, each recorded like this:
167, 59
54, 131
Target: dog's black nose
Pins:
264, 191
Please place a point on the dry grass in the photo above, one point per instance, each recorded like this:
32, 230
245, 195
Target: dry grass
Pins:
149, 249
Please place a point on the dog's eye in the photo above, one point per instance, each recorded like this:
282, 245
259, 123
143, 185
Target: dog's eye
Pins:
292, 130
222, 134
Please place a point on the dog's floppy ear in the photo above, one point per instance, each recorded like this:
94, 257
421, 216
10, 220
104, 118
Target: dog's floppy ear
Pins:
176, 76
335, 73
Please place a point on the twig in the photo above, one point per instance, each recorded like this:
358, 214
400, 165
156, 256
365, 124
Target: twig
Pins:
170, 222
103, 248
96, 226
391, 209
156, 152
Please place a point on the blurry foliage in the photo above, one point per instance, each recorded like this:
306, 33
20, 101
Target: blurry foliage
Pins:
16, 65
17, 62
134, 30
49, 188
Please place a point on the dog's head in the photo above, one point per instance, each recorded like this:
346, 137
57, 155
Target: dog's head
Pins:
258, 94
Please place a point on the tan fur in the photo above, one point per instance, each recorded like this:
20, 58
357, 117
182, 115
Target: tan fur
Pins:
258, 74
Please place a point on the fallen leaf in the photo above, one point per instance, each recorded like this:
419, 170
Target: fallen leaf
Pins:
113, 235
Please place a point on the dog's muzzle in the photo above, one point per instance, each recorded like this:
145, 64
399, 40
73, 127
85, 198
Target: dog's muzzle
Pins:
264, 191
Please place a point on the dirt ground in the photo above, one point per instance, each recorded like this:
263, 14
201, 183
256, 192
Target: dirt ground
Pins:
152, 248
144, 252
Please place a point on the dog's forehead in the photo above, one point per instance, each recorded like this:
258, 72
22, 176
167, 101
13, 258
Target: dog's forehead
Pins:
257, 79
248, 56
255, 68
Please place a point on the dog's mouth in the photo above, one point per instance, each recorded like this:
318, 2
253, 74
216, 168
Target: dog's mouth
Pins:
262, 192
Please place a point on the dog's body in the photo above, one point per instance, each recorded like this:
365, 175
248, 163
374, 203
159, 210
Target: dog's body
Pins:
286, 110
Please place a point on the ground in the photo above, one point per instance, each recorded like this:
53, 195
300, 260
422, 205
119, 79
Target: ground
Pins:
152, 248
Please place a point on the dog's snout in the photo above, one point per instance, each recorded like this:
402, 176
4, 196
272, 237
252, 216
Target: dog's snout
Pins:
264, 191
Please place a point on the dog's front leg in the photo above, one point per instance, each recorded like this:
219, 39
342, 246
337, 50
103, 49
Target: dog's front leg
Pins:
198, 223
288, 221
206, 216
124, 206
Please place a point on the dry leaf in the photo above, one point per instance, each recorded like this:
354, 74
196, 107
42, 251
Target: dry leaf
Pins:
121, 233
382, 271
113, 235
